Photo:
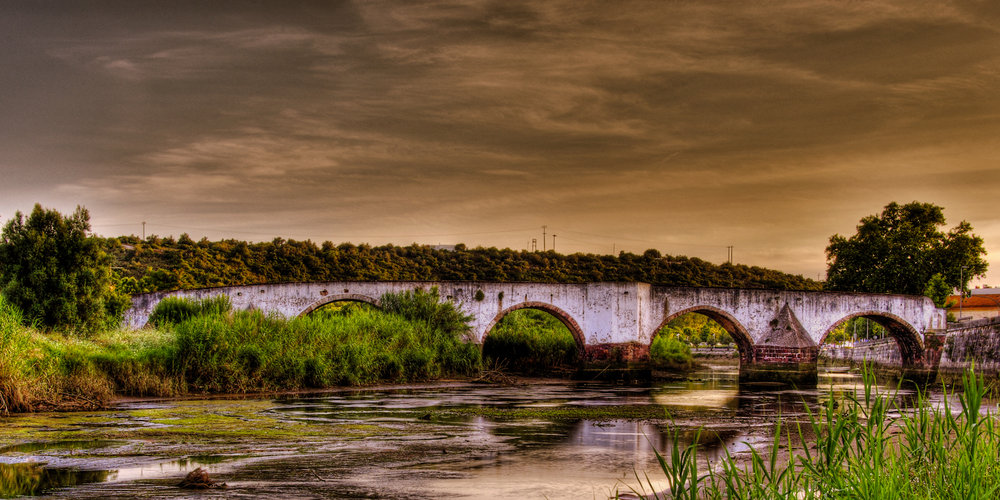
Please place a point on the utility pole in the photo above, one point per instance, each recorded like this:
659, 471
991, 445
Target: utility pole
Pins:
553, 242
143, 230
961, 290
543, 237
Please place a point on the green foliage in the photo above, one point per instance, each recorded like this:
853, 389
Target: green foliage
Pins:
209, 348
695, 329
900, 250
667, 351
56, 274
530, 341
856, 328
249, 351
14, 344
173, 310
938, 290
168, 264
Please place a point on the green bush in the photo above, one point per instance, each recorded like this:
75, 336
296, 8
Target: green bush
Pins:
173, 310
250, 351
203, 346
667, 351
531, 341
58, 275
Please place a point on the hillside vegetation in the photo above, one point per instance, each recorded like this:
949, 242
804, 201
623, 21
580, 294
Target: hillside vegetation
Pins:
168, 264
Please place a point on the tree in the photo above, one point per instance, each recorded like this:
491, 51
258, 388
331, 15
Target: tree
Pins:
938, 290
57, 274
900, 250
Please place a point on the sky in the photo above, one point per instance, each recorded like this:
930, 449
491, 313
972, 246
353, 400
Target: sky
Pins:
685, 126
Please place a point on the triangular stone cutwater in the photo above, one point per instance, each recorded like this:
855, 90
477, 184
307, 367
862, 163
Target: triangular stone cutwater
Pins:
787, 331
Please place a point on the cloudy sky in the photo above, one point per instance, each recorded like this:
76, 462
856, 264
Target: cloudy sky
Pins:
678, 125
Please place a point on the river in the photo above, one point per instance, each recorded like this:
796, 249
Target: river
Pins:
539, 439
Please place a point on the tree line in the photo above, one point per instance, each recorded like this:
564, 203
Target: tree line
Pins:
158, 263
62, 276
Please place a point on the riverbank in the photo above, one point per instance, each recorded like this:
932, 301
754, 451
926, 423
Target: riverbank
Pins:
414, 337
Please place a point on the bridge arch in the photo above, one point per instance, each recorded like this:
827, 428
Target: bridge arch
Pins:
739, 333
911, 348
561, 315
343, 297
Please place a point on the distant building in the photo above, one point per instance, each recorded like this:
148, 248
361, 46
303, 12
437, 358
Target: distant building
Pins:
983, 303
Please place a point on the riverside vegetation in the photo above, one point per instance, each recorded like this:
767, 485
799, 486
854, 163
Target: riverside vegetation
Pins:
868, 447
206, 347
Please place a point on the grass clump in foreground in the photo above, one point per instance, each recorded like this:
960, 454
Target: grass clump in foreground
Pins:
530, 341
859, 448
415, 337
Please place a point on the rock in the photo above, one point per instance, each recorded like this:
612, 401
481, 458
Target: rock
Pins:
198, 480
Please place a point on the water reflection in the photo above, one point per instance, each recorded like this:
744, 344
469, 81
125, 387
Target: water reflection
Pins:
431, 452
35, 479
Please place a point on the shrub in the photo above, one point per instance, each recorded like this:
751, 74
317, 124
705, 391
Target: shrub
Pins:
173, 310
667, 351
529, 340
58, 275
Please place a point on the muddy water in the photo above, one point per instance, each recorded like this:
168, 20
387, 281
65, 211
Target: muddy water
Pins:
544, 439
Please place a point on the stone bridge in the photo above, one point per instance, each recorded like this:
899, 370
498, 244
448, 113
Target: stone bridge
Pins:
773, 329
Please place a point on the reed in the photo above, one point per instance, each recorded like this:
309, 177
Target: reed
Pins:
868, 446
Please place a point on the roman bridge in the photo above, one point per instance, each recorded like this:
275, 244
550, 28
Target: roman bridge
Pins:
773, 329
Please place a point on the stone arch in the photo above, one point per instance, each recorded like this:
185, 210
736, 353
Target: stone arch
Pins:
343, 297
911, 348
739, 333
561, 315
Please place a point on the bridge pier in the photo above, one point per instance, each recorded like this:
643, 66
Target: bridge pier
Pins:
785, 353
786, 365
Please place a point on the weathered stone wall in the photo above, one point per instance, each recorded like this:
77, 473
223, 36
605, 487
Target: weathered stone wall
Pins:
883, 352
765, 315
974, 341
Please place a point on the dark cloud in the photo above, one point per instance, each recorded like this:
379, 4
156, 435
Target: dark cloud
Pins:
686, 126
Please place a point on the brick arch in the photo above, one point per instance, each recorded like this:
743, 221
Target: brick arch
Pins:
561, 315
911, 348
739, 333
343, 297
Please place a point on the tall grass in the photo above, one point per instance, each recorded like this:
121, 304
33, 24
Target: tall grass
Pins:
250, 351
14, 346
530, 341
204, 346
861, 447
173, 310
668, 351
